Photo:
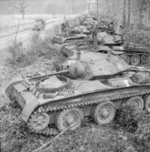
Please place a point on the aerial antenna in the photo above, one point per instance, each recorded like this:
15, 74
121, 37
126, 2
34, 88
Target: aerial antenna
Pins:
89, 7
94, 9
97, 10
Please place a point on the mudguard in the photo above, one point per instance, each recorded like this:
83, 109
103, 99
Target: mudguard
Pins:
29, 108
14, 81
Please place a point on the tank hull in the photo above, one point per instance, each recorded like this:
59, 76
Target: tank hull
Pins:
87, 95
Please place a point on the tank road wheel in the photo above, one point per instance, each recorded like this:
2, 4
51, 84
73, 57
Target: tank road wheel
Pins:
104, 113
68, 117
147, 103
144, 58
136, 102
126, 58
39, 121
135, 59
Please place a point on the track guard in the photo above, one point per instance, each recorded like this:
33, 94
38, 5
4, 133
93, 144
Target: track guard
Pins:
29, 108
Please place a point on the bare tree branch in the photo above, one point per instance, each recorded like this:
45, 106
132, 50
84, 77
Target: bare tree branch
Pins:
21, 7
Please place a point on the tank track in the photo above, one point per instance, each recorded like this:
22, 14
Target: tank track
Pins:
88, 101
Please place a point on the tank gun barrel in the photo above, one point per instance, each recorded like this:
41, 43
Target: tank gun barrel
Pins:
74, 67
51, 74
140, 69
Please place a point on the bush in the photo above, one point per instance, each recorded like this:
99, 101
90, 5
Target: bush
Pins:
19, 56
15, 50
138, 36
39, 47
141, 138
126, 119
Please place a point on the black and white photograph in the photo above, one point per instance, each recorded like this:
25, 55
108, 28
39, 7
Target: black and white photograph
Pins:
74, 75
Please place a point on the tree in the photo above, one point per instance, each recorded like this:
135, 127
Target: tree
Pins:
129, 11
21, 7
93, 7
108, 8
70, 6
124, 13
143, 8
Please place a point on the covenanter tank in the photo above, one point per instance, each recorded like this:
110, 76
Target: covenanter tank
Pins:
66, 46
74, 38
89, 84
133, 54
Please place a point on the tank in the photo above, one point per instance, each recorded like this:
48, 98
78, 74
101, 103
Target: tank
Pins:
73, 35
89, 84
71, 29
74, 38
133, 54
66, 46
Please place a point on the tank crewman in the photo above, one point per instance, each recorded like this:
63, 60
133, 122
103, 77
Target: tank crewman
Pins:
65, 28
39, 24
122, 33
94, 32
111, 27
112, 30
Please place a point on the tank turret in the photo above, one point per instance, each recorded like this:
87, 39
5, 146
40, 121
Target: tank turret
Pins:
97, 64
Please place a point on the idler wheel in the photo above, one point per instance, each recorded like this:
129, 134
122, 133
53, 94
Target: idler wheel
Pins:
135, 59
68, 117
104, 113
39, 121
147, 103
136, 102
144, 58
126, 58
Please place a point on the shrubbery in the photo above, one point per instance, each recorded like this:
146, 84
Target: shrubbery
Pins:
126, 119
136, 125
138, 36
23, 56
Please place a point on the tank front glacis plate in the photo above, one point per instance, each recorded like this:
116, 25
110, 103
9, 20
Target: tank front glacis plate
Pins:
25, 99
17, 94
